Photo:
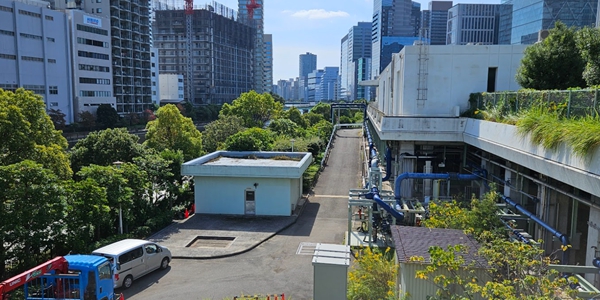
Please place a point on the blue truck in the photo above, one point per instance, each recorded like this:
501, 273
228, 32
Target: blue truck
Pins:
83, 277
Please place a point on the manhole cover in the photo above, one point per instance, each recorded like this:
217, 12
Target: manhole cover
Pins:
211, 242
306, 248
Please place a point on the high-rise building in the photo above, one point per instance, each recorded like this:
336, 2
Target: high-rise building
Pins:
313, 84
307, 64
35, 54
222, 52
171, 88
355, 45
251, 12
473, 24
90, 46
505, 23
363, 70
130, 47
529, 17
154, 78
438, 22
268, 68
327, 88
391, 18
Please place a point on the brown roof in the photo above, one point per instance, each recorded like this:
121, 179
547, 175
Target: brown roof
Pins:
415, 241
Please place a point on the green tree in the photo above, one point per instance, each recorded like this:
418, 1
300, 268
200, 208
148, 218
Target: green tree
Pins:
118, 193
322, 109
31, 214
107, 115
255, 109
295, 115
553, 64
312, 118
216, 132
285, 127
588, 43
322, 129
87, 211
171, 130
373, 276
106, 147
277, 98
28, 133
58, 118
87, 120
252, 139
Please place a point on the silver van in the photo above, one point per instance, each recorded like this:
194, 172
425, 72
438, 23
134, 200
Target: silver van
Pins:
133, 258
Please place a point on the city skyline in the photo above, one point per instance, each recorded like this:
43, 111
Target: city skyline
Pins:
314, 26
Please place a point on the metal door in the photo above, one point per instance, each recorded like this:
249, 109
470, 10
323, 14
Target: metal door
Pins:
249, 201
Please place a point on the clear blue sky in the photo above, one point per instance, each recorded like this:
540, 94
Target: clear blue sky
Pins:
315, 26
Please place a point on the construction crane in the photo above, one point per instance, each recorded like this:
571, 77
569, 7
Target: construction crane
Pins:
251, 6
189, 13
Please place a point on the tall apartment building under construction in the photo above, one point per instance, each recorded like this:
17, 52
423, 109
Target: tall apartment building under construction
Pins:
222, 51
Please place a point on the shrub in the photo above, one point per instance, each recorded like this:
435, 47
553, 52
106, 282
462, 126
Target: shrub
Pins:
310, 177
374, 277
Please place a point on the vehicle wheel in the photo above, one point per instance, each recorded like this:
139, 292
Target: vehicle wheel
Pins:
164, 264
128, 281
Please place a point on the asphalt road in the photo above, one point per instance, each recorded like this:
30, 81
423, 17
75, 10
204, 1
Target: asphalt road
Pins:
273, 267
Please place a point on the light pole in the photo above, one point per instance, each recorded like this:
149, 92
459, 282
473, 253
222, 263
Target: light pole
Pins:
292, 140
118, 164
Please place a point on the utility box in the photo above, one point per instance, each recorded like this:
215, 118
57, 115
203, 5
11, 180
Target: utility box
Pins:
330, 263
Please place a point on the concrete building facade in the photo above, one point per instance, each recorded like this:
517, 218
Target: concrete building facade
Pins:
130, 45
268, 68
154, 76
35, 53
473, 24
255, 19
222, 51
92, 67
171, 87
231, 183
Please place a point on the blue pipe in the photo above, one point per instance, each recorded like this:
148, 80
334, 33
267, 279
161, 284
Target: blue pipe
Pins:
374, 195
445, 176
563, 238
388, 165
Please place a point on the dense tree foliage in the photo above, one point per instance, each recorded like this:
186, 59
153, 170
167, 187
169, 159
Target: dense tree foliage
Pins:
58, 118
215, 133
252, 139
255, 109
107, 116
171, 130
277, 98
31, 213
294, 115
322, 109
28, 133
105, 147
285, 127
554, 63
588, 43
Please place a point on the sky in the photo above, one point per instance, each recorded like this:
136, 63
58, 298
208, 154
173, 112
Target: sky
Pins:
315, 26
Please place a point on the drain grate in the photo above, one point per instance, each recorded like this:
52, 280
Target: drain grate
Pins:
306, 248
211, 242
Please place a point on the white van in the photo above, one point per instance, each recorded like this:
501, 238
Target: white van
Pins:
133, 258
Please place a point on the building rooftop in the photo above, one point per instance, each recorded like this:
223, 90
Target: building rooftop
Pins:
249, 164
413, 241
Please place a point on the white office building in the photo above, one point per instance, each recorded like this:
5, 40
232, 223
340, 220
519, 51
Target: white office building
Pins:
171, 88
92, 70
34, 53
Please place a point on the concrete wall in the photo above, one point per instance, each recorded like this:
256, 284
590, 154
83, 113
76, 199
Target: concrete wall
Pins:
453, 73
220, 195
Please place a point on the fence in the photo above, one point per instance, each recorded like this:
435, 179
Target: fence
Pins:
576, 103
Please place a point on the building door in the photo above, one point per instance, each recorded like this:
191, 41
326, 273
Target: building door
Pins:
250, 203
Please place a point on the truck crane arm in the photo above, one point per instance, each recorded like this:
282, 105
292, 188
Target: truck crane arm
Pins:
58, 264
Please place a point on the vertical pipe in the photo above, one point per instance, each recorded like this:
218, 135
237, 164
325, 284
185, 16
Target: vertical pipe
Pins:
350, 219
370, 226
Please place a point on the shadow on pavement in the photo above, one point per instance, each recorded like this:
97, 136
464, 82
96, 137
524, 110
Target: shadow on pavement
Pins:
305, 222
143, 283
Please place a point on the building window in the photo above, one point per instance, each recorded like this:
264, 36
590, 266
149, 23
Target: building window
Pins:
31, 14
92, 29
99, 10
153, 74
153, 83
94, 80
51, 60
92, 42
53, 103
8, 56
8, 87
98, 1
49, 39
53, 90
83, 67
6, 32
31, 36
5, 8
95, 93
93, 55
38, 89
31, 58
49, 18
154, 93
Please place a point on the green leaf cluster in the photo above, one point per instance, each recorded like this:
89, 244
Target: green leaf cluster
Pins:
373, 276
171, 130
